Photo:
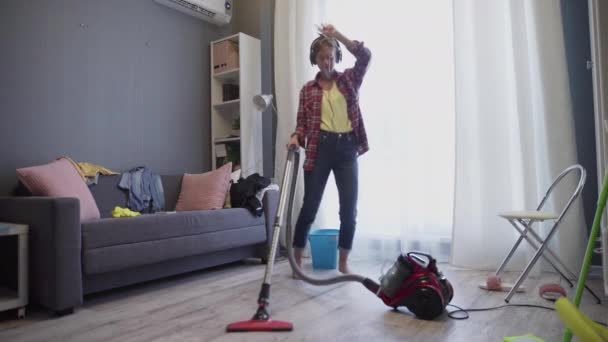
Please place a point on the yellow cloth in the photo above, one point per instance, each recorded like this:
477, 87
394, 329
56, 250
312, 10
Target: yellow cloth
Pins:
124, 212
88, 169
334, 115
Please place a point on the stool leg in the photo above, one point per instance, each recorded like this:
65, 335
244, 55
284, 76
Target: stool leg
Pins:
527, 270
511, 252
508, 257
535, 245
537, 255
550, 252
558, 260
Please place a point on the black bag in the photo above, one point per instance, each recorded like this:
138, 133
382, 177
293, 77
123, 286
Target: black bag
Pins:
242, 193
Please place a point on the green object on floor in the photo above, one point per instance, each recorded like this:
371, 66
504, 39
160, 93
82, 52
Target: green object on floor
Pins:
595, 230
584, 328
524, 338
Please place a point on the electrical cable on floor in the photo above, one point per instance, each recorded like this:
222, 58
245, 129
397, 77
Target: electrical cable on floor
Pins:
451, 314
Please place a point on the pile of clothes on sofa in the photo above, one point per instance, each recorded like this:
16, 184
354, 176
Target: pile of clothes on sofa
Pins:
248, 193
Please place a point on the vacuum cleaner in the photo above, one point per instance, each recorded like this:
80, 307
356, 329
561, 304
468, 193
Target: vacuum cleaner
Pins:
413, 281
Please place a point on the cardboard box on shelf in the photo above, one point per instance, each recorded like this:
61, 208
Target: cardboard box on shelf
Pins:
225, 56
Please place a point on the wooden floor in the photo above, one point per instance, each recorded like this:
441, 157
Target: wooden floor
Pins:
198, 306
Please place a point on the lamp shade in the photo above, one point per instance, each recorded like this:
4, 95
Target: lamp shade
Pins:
262, 101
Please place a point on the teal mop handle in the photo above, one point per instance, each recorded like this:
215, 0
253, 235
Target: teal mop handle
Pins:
601, 204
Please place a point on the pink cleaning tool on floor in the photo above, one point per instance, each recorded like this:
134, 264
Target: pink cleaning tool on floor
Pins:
551, 291
494, 283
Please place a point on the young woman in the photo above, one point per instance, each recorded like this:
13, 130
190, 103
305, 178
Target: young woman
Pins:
330, 127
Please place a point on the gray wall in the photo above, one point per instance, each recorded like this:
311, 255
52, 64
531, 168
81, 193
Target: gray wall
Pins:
114, 82
256, 18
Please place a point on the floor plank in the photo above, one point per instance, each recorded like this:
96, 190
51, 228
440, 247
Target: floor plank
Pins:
199, 305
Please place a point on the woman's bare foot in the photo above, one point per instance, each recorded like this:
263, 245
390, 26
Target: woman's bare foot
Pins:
343, 268
343, 263
297, 255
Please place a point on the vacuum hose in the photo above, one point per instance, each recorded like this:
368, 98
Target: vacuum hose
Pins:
414, 280
290, 176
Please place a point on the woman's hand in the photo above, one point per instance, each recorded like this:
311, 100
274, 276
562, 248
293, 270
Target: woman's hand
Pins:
293, 142
328, 30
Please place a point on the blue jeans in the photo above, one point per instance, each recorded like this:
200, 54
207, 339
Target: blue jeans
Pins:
336, 152
145, 189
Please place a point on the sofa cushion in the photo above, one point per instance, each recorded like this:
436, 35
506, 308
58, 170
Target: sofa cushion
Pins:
108, 195
204, 191
149, 227
59, 178
172, 184
118, 243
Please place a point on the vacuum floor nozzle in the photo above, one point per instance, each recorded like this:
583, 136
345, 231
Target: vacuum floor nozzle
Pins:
259, 325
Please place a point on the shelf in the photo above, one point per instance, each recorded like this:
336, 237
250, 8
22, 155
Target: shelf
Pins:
227, 140
229, 75
228, 105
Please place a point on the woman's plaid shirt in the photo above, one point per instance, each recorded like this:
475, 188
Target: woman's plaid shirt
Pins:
309, 109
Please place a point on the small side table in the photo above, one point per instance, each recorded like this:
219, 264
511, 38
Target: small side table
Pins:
9, 299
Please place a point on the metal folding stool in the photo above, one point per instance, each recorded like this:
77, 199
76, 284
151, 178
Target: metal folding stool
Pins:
523, 220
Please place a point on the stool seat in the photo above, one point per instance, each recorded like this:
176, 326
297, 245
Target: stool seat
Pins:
529, 215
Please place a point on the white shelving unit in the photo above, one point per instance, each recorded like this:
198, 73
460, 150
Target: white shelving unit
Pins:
243, 146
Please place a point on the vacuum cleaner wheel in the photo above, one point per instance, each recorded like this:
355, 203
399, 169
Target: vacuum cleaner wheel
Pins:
425, 303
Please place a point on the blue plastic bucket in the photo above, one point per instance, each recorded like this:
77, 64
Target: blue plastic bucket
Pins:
324, 248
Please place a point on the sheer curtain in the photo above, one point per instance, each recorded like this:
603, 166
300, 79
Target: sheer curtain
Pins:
407, 101
295, 21
514, 127
467, 110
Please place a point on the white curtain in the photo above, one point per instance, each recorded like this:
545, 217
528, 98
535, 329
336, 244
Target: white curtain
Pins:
407, 101
493, 72
514, 127
294, 30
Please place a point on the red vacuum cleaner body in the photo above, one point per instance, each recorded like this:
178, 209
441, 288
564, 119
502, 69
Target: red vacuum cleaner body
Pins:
415, 282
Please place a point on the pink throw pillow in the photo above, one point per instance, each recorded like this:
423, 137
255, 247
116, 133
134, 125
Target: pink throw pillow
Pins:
205, 190
59, 178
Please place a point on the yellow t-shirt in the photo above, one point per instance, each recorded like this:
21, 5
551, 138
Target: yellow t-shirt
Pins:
334, 116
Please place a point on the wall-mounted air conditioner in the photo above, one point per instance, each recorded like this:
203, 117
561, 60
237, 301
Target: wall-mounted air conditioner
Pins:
218, 12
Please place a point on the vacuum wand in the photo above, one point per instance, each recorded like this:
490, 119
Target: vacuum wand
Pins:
261, 320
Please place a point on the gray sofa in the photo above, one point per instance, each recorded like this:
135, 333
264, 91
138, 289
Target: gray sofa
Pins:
69, 258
